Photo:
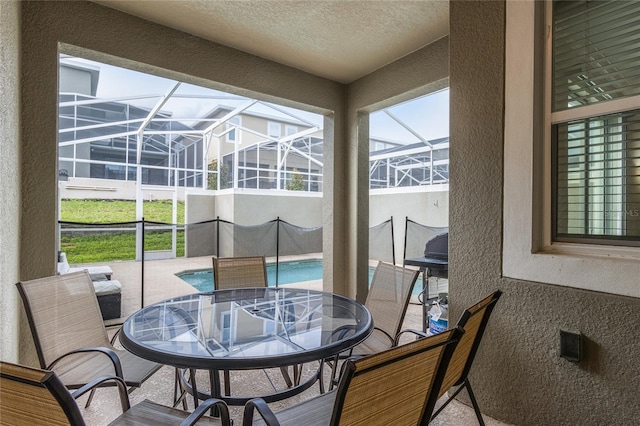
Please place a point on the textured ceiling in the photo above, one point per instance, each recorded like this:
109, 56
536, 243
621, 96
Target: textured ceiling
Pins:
339, 39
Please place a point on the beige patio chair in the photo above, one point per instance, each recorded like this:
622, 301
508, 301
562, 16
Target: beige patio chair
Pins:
239, 272
38, 397
244, 272
70, 336
387, 301
474, 321
398, 386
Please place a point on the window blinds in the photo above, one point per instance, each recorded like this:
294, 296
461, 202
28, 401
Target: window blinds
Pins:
596, 52
598, 177
596, 160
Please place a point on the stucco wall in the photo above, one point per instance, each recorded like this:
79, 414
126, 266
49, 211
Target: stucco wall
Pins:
103, 34
305, 211
426, 208
9, 176
518, 375
246, 209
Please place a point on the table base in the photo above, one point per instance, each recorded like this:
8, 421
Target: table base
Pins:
189, 387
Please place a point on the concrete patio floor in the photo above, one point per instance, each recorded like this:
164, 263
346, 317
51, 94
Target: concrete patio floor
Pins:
162, 283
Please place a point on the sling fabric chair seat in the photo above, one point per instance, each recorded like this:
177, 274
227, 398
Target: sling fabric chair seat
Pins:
387, 301
474, 321
38, 397
69, 333
398, 386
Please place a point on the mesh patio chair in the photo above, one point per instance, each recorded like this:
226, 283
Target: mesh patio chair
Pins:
244, 272
398, 386
474, 321
70, 336
38, 397
239, 272
388, 298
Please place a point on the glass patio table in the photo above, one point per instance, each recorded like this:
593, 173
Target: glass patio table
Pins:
246, 329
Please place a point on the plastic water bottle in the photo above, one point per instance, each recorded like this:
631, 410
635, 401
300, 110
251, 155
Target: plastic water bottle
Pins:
439, 315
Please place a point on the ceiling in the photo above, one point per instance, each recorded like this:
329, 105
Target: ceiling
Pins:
341, 40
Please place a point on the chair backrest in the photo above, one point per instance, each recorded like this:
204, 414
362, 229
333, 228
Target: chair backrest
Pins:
389, 296
473, 320
63, 314
35, 397
239, 272
395, 386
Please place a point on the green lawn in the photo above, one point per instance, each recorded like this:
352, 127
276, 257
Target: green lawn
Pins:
112, 245
109, 211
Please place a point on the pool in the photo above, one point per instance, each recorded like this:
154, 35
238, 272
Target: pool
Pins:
289, 272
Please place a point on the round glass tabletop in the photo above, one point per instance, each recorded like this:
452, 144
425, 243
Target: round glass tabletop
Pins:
246, 328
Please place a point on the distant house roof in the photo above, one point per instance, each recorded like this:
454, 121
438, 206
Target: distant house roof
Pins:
401, 148
226, 109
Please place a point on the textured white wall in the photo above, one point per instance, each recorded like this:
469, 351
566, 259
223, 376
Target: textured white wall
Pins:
518, 375
426, 208
9, 177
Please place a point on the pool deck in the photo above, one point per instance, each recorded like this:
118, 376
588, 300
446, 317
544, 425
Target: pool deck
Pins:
161, 281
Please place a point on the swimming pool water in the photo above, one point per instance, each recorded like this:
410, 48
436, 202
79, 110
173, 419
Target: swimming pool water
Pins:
288, 272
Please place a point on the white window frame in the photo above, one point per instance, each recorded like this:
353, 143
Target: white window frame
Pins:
290, 130
272, 125
528, 252
237, 120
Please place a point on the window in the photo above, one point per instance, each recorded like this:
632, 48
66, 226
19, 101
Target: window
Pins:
290, 130
274, 130
234, 134
595, 122
529, 252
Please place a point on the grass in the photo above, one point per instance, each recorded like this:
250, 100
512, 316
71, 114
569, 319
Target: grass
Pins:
110, 211
107, 246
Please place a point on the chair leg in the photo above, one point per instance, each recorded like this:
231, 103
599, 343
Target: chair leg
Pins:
93, 391
227, 383
285, 375
179, 392
321, 376
334, 370
472, 397
449, 399
474, 402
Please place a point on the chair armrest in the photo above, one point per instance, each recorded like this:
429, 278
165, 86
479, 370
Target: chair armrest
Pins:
418, 333
225, 419
390, 337
343, 330
117, 366
115, 336
122, 389
263, 409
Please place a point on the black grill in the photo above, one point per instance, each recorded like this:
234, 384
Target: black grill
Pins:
438, 247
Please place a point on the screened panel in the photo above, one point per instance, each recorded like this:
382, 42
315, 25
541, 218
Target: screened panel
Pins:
597, 177
596, 52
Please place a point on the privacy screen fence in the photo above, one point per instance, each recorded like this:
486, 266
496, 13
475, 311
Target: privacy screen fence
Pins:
87, 243
416, 236
143, 241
